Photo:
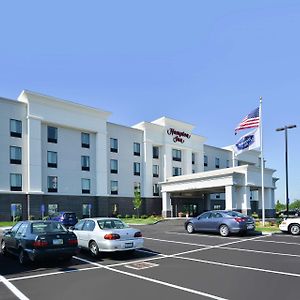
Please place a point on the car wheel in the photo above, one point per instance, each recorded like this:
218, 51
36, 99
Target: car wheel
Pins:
94, 249
294, 229
3, 248
224, 230
190, 228
23, 258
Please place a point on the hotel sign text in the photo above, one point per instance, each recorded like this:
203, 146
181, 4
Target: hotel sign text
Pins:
178, 135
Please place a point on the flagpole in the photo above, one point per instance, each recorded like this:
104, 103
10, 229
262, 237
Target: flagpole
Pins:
262, 164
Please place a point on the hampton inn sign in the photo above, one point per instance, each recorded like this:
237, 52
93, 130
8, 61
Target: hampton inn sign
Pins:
178, 135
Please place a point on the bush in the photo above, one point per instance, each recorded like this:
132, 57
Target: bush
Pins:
133, 216
17, 219
144, 216
255, 215
127, 216
119, 216
45, 218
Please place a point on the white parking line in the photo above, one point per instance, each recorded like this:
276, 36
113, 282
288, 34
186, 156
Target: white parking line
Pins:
201, 235
196, 292
176, 242
13, 289
238, 266
277, 242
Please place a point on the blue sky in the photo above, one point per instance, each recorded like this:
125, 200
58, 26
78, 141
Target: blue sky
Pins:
204, 62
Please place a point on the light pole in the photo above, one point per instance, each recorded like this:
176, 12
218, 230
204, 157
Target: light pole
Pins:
285, 128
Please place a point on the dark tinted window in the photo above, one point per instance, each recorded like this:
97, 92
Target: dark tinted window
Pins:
216, 215
205, 215
16, 227
112, 224
46, 227
235, 214
22, 229
69, 215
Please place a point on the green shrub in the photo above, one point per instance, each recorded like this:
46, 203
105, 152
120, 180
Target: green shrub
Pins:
17, 219
255, 215
144, 216
133, 216
119, 216
127, 216
46, 218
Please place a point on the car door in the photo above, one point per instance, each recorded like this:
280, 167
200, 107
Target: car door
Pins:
78, 232
20, 237
202, 223
214, 221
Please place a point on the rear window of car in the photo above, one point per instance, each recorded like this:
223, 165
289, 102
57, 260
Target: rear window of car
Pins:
47, 227
70, 215
235, 214
112, 224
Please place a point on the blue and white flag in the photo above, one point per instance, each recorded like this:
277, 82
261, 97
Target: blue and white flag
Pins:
247, 142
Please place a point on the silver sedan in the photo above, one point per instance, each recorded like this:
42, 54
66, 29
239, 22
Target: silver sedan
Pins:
107, 235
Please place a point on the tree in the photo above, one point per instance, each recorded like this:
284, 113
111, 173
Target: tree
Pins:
137, 201
295, 204
279, 206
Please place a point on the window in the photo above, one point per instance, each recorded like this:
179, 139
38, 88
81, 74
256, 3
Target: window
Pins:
176, 154
86, 212
217, 207
136, 168
155, 171
155, 151
15, 182
22, 229
80, 224
114, 187
205, 161
218, 196
52, 184
177, 171
52, 209
85, 140
15, 155
89, 225
155, 190
16, 212
227, 163
217, 162
52, 159
85, 163
15, 128
114, 145
205, 215
193, 158
85, 186
113, 166
52, 134
136, 149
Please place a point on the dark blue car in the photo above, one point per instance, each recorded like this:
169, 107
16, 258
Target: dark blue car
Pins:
38, 240
68, 219
224, 222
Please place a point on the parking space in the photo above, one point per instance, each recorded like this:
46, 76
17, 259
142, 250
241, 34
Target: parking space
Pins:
173, 264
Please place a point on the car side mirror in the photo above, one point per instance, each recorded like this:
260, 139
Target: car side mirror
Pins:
72, 228
8, 231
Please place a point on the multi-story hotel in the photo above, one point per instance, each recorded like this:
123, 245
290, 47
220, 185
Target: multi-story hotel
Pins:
58, 155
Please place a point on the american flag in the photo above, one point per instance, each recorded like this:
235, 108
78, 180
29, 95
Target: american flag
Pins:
250, 121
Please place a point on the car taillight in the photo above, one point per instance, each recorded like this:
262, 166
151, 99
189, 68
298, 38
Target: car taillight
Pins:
72, 242
40, 244
239, 220
111, 236
138, 234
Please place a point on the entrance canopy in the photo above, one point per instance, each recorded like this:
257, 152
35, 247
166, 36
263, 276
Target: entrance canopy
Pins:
236, 182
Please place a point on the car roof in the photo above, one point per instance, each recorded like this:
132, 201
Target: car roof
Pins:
101, 218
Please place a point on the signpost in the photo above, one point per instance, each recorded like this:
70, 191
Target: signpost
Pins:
43, 211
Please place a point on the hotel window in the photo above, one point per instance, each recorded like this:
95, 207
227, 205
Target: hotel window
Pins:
136, 168
193, 158
227, 163
155, 151
113, 166
136, 149
155, 190
85, 140
52, 134
114, 145
52, 184
52, 159
114, 187
15, 128
52, 209
177, 171
85, 163
155, 171
218, 196
176, 154
205, 161
15, 155
85, 186
217, 162
15, 182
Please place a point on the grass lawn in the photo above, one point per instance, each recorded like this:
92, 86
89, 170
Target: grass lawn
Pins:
267, 228
6, 224
147, 221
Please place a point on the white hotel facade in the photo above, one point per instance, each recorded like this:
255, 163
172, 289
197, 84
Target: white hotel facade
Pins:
58, 155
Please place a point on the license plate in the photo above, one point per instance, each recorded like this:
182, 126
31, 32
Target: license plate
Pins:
58, 242
250, 226
128, 245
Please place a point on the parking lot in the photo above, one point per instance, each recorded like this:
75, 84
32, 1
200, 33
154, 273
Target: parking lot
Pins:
173, 265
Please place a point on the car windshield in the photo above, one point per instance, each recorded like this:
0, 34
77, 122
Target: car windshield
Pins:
69, 215
112, 224
47, 227
235, 214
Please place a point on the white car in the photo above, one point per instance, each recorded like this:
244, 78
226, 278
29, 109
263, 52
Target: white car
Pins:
107, 235
291, 225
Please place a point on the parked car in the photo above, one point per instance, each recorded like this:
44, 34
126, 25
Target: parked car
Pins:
224, 222
107, 235
292, 213
291, 225
67, 218
37, 240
